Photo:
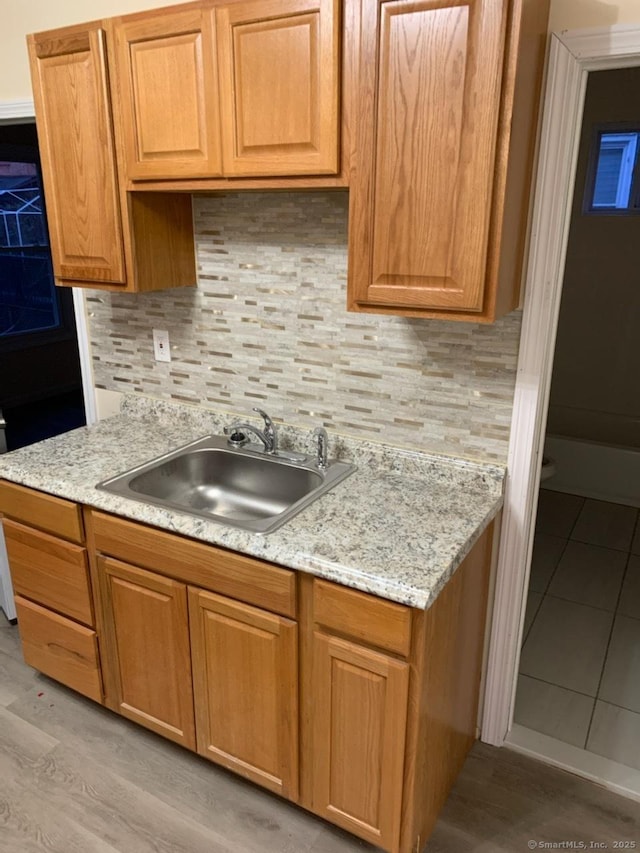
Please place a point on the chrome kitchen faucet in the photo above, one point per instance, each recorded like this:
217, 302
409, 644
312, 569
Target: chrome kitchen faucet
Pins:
268, 436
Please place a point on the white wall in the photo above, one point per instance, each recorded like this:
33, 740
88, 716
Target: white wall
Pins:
576, 14
20, 17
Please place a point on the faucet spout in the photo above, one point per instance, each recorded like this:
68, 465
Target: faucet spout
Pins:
269, 434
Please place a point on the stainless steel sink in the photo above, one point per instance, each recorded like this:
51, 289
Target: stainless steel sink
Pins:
245, 487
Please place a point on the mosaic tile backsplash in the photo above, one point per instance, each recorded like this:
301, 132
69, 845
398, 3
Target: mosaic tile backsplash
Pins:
267, 326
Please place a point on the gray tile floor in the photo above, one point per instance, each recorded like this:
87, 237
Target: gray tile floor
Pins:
580, 666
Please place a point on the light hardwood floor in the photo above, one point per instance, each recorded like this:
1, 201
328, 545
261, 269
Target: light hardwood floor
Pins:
75, 778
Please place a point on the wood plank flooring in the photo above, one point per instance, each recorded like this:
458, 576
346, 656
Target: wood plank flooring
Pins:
75, 778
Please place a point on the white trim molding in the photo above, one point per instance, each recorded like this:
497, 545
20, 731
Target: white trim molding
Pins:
12, 111
84, 351
572, 55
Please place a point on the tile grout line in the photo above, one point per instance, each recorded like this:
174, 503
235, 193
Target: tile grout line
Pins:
595, 544
636, 530
546, 589
606, 656
582, 603
560, 686
573, 526
542, 594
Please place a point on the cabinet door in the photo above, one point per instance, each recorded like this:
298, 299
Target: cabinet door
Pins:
279, 70
245, 675
146, 618
427, 119
78, 160
167, 85
360, 715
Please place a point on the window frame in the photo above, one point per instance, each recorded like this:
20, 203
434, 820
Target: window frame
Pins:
598, 131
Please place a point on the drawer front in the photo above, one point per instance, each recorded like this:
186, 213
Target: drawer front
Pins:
206, 566
55, 515
372, 620
60, 648
49, 571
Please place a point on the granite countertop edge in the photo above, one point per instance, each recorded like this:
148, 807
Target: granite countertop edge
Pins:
397, 528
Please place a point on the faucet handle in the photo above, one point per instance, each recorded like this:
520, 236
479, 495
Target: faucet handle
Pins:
320, 436
265, 417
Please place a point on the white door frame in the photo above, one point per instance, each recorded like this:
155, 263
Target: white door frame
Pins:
19, 112
572, 55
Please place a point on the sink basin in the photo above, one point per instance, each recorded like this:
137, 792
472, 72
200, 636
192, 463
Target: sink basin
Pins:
244, 487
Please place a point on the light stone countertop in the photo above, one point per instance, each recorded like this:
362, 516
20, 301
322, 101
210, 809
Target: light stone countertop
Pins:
398, 527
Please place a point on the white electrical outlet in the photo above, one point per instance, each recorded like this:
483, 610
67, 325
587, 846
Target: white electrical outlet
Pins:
161, 349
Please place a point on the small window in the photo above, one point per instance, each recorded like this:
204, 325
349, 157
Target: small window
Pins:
612, 183
28, 299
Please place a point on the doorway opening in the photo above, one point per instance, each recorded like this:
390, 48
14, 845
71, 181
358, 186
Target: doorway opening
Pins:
573, 55
579, 673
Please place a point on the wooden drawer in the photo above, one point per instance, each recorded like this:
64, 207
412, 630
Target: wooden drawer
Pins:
55, 515
372, 620
214, 569
49, 571
60, 648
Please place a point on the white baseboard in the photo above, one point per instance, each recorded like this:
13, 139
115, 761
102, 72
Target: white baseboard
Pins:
610, 774
594, 470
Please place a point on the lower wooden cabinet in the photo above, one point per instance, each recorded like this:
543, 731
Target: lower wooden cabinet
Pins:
48, 561
360, 715
245, 673
50, 571
148, 639
60, 648
360, 709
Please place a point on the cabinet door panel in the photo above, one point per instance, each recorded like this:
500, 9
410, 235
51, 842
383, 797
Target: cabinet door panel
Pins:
245, 685
430, 76
168, 86
360, 715
78, 160
279, 75
149, 636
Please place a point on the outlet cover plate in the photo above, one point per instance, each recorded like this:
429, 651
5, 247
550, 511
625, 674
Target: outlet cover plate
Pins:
161, 348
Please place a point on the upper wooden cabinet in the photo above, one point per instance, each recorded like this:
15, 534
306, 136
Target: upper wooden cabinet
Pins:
279, 76
210, 92
437, 177
78, 156
100, 235
168, 92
